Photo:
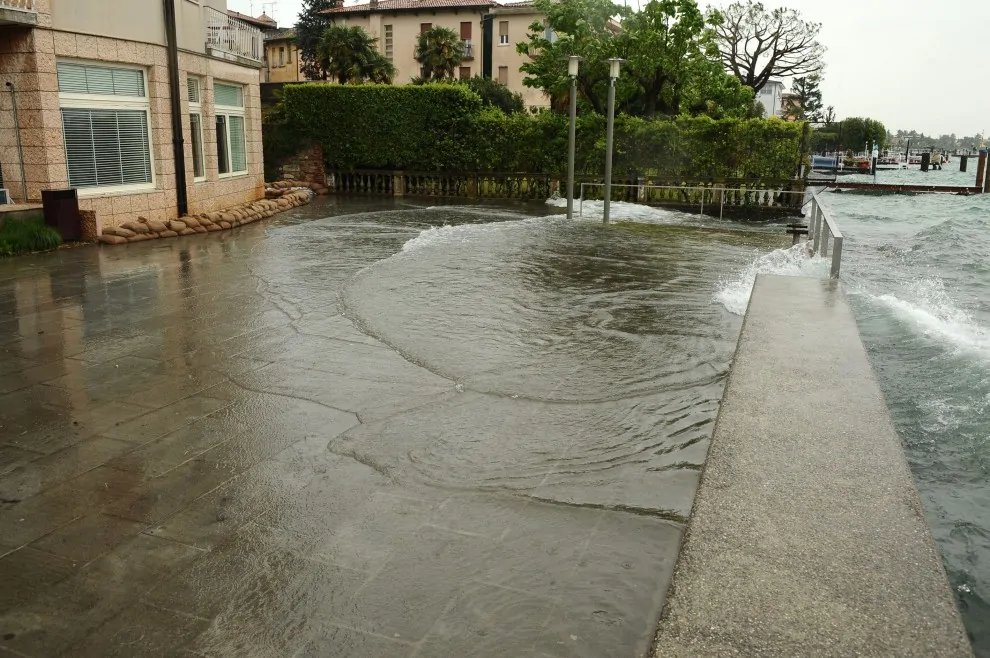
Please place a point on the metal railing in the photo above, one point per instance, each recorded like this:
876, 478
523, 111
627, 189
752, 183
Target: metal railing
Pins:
231, 36
821, 231
689, 196
21, 5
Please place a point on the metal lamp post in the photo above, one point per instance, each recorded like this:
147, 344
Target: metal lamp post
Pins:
572, 70
613, 73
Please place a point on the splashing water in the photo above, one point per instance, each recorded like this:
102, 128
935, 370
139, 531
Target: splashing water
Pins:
733, 293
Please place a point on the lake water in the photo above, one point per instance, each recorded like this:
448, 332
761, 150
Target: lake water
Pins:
917, 273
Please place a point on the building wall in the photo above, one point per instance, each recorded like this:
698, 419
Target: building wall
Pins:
405, 35
28, 59
287, 72
508, 57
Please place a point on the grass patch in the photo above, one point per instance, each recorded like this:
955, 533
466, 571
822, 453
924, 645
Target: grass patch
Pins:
18, 236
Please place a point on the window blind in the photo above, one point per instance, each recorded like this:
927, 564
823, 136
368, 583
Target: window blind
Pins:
228, 95
76, 78
194, 92
106, 147
238, 149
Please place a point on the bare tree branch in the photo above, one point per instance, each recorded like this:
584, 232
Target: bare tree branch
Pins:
757, 46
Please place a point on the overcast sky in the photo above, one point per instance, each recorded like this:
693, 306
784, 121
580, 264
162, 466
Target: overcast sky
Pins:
912, 64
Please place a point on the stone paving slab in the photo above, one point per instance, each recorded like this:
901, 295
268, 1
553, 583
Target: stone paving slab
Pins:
179, 476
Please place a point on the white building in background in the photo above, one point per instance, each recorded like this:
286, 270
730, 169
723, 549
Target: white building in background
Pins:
771, 97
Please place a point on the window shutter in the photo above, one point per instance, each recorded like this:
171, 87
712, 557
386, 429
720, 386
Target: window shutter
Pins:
106, 147
228, 95
238, 149
102, 80
193, 85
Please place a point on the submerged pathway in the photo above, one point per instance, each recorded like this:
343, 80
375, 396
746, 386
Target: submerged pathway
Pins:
183, 467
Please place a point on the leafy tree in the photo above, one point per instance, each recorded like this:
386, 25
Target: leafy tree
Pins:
439, 51
664, 45
757, 45
584, 28
349, 55
495, 94
309, 32
857, 132
805, 101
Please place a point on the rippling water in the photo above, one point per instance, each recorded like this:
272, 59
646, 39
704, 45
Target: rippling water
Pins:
599, 346
917, 271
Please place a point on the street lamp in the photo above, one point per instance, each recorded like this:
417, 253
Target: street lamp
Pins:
572, 70
613, 73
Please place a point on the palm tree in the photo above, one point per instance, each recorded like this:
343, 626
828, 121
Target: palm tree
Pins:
350, 55
439, 51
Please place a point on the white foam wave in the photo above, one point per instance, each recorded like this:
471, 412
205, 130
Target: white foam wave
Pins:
733, 292
448, 234
621, 211
930, 309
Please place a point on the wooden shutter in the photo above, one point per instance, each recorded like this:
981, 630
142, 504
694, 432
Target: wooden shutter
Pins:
466, 30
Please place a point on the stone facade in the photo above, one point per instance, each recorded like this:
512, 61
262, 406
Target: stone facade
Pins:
307, 167
28, 60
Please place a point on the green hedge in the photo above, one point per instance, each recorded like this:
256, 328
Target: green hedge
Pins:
444, 128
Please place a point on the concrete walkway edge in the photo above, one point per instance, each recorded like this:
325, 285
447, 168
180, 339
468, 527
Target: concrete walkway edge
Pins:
807, 535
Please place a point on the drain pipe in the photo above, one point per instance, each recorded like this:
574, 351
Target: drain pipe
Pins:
178, 148
20, 148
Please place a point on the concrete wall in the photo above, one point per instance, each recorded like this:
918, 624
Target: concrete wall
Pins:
28, 59
807, 536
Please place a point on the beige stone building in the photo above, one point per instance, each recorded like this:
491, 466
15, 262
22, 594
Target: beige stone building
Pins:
282, 62
489, 30
94, 95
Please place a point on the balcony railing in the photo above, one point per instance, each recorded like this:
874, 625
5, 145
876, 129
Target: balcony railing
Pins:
230, 37
468, 49
18, 12
22, 5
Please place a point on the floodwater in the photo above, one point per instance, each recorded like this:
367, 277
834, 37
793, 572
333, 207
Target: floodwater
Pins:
917, 273
364, 428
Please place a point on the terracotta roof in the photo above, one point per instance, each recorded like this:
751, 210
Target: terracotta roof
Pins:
281, 34
411, 5
264, 21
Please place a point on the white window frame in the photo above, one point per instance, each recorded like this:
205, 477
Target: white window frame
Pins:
197, 108
104, 102
231, 111
503, 39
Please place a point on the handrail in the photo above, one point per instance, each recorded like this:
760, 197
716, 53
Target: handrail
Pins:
820, 228
721, 190
22, 5
230, 35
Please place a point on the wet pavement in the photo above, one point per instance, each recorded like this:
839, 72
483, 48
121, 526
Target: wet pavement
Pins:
250, 444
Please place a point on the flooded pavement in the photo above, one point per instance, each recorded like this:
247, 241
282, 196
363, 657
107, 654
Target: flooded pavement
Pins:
344, 432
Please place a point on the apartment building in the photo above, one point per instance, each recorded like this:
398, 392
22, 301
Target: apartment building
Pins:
106, 89
282, 62
489, 30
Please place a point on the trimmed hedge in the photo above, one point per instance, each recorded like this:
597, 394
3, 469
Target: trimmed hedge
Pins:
444, 128
387, 127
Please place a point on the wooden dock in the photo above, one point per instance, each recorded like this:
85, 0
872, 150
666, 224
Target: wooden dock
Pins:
896, 188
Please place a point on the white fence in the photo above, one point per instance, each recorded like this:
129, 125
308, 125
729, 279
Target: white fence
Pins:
229, 35
822, 231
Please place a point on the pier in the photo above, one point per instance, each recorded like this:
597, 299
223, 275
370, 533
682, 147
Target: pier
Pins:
807, 534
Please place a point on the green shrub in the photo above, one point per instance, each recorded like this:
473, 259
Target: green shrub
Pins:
428, 127
444, 127
23, 235
494, 94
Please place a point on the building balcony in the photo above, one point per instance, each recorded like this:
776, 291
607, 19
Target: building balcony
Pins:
468, 49
18, 12
232, 39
